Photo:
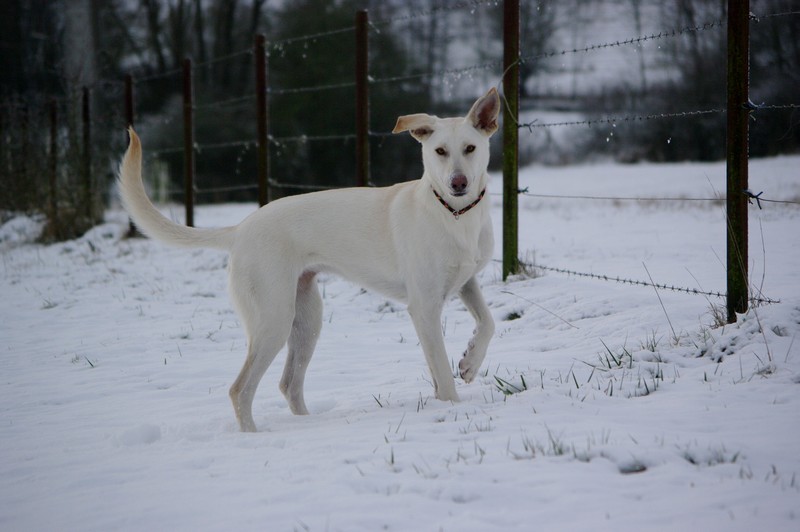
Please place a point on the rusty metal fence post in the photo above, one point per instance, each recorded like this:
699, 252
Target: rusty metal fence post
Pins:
188, 141
262, 118
129, 100
53, 170
129, 119
737, 155
510, 136
86, 114
362, 98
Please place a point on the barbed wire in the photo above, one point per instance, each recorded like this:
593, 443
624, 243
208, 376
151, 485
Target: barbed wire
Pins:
440, 73
523, 58
275, 141
299, 186
314, 88
424, 13
221, 58
750, 195
770, 15
637, 282
778, 106
524, 192
210, 190
309, 138
621, 119
225, 103
309, 37
626, 42
215, 190
654, 116
198, 148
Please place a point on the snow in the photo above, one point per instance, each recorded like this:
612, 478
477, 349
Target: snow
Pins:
627, 408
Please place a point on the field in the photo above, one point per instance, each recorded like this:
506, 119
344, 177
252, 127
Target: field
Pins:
601, 406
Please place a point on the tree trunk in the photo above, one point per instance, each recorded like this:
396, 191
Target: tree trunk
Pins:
152, 7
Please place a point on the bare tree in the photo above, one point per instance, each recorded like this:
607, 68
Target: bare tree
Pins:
178, 17
153, 11
79, 43
225, 16
636, 9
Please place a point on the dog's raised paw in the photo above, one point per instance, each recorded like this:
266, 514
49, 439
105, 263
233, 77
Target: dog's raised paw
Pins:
466, 371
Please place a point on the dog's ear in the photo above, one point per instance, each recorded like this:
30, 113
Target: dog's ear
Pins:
419, 125
483, 115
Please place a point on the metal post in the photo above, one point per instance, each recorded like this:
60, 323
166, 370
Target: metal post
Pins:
129, 100
262, 118
188, 141
53, 174
510, 136
362, 98
3, 150
24, 149
87, 156
129, 120
737, 155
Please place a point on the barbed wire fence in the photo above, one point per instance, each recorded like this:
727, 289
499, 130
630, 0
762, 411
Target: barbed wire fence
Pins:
259, 101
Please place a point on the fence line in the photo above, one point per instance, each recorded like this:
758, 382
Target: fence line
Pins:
310, 37
440, 73
225, 103
655, 116
316, 88
191, 147
750, 195
622, 119
530, 266
633, 40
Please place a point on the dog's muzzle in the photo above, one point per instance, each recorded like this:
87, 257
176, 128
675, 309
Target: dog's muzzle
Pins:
458, 184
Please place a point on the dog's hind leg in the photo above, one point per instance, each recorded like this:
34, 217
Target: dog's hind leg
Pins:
484, 329
302, 341
267, 313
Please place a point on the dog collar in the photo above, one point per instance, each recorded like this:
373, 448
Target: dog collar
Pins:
456, 214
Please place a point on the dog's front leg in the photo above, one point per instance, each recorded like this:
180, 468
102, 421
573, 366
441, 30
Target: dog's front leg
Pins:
484, 329
426, 316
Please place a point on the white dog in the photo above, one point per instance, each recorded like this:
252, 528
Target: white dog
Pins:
420, 242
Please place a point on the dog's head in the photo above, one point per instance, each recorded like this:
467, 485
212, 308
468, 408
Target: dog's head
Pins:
455, 151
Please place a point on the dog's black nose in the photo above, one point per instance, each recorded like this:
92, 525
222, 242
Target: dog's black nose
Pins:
458, 184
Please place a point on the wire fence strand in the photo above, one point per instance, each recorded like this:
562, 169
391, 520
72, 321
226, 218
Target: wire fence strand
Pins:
626, 42
530, 126
531, 266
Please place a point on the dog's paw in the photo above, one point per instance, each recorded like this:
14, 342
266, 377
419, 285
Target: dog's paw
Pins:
466, 369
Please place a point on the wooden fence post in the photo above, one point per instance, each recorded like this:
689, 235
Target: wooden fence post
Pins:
53, 174
3, 155
25, 147
129, 100
737, 155
262, 118
362, 98
188, 141
510, 136
129, 120
86, 114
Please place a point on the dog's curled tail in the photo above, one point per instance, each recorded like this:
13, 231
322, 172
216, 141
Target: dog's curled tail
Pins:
149, 220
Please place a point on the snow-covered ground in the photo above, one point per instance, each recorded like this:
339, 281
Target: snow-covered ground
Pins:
601, 406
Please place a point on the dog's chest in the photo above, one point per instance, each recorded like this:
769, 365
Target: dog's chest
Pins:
462, 254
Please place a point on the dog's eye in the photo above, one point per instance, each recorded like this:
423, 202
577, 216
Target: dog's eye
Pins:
469, 149
441, 151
